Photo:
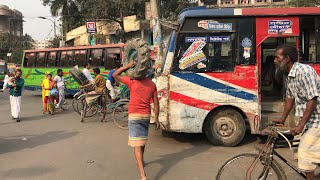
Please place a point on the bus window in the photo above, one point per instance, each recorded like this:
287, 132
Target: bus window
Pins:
41, 59
29, 60
80, 57
96, 57
112, 61
66, 58
218, 53
52, 59
113, 58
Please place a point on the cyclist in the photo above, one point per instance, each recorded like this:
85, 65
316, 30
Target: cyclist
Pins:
99, 81
303, 85
86, 72
111, 84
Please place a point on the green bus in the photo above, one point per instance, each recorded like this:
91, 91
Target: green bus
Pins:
36, 62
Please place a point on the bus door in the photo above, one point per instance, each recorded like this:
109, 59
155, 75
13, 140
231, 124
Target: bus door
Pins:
271, 33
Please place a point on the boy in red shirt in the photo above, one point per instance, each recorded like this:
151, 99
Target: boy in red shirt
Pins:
142, 91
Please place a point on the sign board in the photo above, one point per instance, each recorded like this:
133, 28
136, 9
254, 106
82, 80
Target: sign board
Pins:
91, 27
280, 26
215, 25
9, 54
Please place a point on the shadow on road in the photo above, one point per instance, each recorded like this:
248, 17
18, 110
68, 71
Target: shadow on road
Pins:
16, 143
28, 171
199, 145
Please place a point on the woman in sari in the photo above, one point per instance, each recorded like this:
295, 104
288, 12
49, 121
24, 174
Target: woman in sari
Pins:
48, 84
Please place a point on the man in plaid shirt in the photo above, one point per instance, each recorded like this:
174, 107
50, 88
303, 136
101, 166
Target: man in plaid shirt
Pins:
303, 86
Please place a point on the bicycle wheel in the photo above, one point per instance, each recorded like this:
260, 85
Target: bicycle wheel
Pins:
120, 115
237, 167
75, 104
91, 110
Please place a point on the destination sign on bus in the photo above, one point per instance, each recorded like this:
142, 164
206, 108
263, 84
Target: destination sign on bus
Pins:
208, 39
215, 25
280, 26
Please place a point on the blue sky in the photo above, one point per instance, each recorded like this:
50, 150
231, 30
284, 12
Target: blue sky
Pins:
39, 29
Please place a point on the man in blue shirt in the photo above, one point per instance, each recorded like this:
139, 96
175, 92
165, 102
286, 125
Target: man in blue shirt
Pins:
111, 85
15, 95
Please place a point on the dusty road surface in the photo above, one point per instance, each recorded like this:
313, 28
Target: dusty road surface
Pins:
47, 147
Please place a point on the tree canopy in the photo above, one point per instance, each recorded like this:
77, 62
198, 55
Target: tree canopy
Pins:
14, 45
76, 12
304, 3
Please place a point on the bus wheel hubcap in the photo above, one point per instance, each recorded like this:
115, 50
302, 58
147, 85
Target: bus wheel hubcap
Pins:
225, 126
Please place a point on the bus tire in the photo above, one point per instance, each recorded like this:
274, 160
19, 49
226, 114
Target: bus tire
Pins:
144, 60
225, 128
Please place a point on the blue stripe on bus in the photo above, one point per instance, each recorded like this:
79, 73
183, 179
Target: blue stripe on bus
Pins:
214, 85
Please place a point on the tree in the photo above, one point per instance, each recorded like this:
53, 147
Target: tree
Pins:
169, 9
55, 42
113, 10
14, 45
68, 9
304, 3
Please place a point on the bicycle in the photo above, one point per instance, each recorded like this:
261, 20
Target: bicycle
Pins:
98, 102
120, 113
259, 166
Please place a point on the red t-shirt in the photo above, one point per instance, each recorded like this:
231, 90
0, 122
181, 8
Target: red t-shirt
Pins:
141, 94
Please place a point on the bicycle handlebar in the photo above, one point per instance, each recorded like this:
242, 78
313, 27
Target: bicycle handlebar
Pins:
281, 133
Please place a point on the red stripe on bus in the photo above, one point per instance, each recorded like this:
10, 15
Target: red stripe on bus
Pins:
280, 11
243, 76
192, 101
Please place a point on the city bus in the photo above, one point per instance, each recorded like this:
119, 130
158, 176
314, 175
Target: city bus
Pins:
213, 78
36, 62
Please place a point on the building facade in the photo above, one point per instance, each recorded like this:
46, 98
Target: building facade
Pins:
240, 3
42, 44
11, 21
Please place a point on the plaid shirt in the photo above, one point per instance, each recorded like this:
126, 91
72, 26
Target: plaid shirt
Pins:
303, 84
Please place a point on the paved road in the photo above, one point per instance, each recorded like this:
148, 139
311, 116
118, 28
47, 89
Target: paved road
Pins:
59, 147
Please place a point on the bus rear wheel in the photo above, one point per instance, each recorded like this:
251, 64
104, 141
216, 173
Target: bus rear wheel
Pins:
225, 128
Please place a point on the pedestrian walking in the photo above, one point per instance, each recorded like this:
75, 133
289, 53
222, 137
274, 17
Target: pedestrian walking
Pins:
303, 86
60, 82
15, 95
5, 81
141, 93
42, 87
48, 101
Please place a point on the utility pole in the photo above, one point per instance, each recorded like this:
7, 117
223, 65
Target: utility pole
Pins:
157, 35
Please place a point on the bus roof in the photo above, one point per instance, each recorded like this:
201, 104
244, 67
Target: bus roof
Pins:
75, 48
202, 11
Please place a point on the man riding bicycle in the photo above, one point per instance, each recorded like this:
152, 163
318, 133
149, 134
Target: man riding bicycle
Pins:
303, 85
99, 81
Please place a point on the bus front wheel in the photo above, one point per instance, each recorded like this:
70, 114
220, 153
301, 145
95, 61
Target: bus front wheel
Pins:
225, 128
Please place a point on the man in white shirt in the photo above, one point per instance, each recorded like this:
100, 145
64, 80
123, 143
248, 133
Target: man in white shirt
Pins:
5, 80
86, 72
61, 87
